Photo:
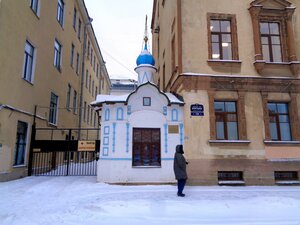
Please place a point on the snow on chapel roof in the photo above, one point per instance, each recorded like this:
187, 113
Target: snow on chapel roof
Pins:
111, 99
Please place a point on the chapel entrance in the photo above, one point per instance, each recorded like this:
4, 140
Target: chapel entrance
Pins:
146, 147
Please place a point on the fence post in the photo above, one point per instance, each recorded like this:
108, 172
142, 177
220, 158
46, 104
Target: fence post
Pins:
32, 139
68, 151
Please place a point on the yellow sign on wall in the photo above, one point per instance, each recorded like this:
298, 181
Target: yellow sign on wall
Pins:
86, 146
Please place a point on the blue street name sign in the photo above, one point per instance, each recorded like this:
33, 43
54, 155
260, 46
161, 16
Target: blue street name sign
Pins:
197, 110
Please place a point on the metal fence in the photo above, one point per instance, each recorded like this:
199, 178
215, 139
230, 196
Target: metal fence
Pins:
54, 152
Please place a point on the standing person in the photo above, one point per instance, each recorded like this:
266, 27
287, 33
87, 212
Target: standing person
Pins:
180, 169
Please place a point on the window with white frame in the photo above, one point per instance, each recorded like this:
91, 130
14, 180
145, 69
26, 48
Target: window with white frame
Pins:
60, 12
34, 5
28, 66
53, 109
21, 142
69, 96
57, 55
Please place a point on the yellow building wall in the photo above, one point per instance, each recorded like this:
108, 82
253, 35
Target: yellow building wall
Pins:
19, 23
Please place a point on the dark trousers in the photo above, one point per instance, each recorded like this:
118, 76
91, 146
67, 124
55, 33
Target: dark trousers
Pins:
181, 184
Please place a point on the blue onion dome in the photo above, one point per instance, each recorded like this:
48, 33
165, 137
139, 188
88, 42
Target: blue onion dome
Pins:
145, 57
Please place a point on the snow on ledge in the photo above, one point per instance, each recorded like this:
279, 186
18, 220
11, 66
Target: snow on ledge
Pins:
231, 182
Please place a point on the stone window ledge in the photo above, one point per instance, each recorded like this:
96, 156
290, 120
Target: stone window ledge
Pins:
246, 142
231, 182
292, 67
288, 182
218, 62
281, 142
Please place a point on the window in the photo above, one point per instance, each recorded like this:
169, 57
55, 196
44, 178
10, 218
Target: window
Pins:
68, 97
86, 78
84, 111
72, 55
53, 109
28, 67
97, 71
90, 82
93, 84
89, 50
74, 18
88, 114
91, 59
226, 120
60, 12
146, 147
34, 5
95, 118
94, 63
279, 122
77, 63
221, 39
79, 29
57, 55
107, 115
270, 41
174, 115
173, 66
21, 142
230, 176
96, 91
75, 102
274, 36
286, 175
146, 101
120, 114
222, 35
91, 123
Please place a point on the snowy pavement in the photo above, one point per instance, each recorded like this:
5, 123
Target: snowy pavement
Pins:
80, 200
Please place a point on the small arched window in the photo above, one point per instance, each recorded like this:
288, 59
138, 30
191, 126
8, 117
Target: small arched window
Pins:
174, 115
107, 115
120, 113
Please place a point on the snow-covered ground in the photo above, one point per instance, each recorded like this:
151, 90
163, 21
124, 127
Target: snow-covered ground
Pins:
80, 200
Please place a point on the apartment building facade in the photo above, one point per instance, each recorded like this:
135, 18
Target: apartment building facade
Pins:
236, 65
51, 69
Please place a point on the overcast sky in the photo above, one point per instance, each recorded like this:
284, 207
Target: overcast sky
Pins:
119, 27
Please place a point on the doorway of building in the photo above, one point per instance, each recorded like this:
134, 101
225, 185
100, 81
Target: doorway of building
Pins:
146, 147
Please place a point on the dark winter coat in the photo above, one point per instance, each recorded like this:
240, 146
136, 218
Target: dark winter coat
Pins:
179, 164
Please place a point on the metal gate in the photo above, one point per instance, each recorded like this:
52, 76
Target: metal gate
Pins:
54, 152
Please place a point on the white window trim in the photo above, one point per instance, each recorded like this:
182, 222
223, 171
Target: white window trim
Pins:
60, 55
63, 13
27, 145
37, 12
57, 104
33, 62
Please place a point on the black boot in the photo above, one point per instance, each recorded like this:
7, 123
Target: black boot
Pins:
180, 194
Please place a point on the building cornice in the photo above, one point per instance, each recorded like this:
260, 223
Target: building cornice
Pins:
195, 81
